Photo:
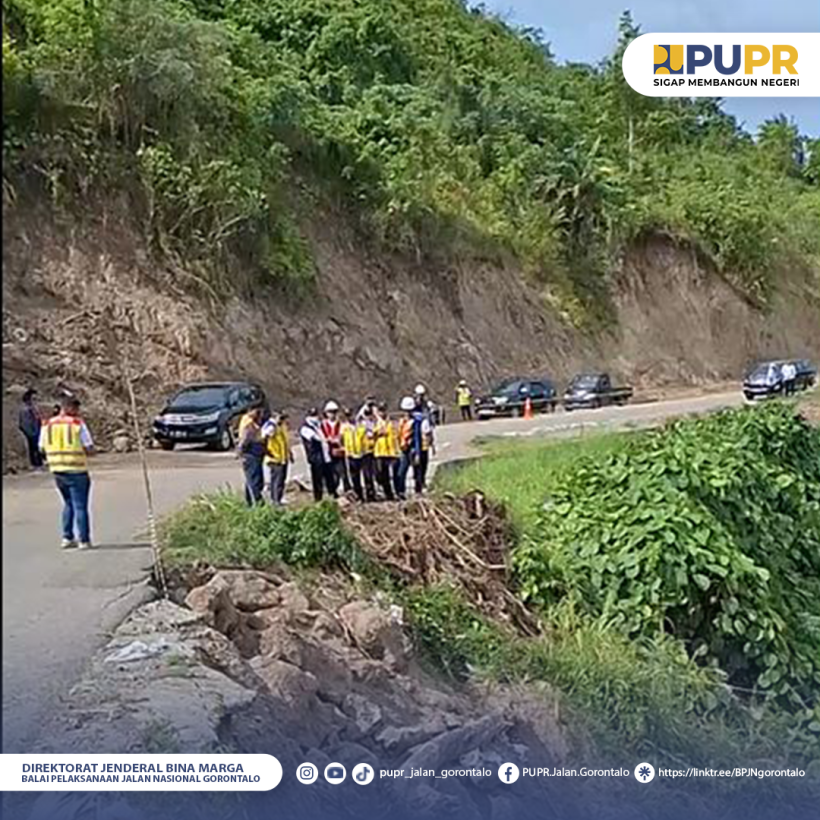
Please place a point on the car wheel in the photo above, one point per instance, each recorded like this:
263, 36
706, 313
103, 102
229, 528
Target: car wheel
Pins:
167, 445
225, 442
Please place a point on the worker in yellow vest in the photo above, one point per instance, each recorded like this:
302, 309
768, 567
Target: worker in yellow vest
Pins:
65, 440
386, 452
278, 455
464, 398
352, 452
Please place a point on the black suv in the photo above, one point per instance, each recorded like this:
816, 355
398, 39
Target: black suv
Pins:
509, 398
206, 413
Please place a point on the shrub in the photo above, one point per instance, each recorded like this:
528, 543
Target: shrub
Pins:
708, 530
220, 529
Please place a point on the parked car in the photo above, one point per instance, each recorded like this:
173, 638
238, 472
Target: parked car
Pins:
765, 379
206, 413
509, 398
806, 374
594, 390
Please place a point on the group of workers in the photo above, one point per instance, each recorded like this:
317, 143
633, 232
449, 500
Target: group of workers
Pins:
366, 452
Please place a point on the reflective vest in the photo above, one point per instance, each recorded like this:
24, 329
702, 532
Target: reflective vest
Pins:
350, 440
387, 442
278, 446
463, 395
405, 434
332, 431
64, 449
365, 440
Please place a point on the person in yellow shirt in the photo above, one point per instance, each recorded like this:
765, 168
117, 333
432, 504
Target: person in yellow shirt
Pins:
352, 451
251, 450
464, 398
278, 455
366, 442
386, 452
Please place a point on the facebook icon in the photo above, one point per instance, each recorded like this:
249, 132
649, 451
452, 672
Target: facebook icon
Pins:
508, 772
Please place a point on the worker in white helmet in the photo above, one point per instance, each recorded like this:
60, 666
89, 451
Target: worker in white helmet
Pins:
433, 413
416, 443
464, 400
407, 406
332, 431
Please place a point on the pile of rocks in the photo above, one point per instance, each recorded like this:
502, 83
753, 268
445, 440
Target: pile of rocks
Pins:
253, 663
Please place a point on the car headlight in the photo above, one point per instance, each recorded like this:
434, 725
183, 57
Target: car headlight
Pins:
501, 399
210, 418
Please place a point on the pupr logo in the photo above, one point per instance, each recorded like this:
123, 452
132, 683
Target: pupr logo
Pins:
702, 64
669, 59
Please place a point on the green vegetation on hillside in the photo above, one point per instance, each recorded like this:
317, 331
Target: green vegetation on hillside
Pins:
438, 126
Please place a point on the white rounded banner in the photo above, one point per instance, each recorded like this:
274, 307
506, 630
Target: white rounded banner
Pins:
139, 772
724, 65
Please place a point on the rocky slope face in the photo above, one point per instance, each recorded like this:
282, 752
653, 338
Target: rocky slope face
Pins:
86, 303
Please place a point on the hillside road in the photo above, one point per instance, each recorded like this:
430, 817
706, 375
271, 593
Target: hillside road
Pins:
59, 605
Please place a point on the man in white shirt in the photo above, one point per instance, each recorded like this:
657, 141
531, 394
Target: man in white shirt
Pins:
317, 454
789, 374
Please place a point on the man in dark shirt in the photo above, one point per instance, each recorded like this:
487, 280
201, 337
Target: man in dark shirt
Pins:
29, 424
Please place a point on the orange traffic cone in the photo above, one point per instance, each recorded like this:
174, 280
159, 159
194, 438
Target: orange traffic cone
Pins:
528, 408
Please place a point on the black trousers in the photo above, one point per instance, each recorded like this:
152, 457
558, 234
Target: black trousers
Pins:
278, 478
35, 457
354, 468
368, 462
323, 477
790, 386
466, 412
340, 472
386, 470
420, 471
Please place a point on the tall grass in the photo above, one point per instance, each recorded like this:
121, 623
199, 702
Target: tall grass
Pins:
221, 530
521, 474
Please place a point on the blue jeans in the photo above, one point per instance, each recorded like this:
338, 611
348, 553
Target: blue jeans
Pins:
75, 488
254, 479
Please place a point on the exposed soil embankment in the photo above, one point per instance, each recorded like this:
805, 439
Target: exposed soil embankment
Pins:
86, 301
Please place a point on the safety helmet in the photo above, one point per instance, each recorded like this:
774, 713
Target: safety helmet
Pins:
407, 404
331, 406
462, 383
420, 390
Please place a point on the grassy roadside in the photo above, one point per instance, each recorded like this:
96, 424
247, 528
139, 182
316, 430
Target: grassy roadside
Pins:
639, 692
521, 473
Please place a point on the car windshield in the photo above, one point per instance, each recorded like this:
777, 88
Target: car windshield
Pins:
199, 397
585, 382
508, 388
764, 371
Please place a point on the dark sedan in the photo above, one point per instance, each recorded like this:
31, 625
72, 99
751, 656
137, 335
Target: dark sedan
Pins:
510, 397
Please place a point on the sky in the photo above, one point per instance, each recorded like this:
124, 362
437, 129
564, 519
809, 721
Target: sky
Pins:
585, 31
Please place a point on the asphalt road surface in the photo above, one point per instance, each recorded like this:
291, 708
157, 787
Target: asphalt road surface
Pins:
59, 605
